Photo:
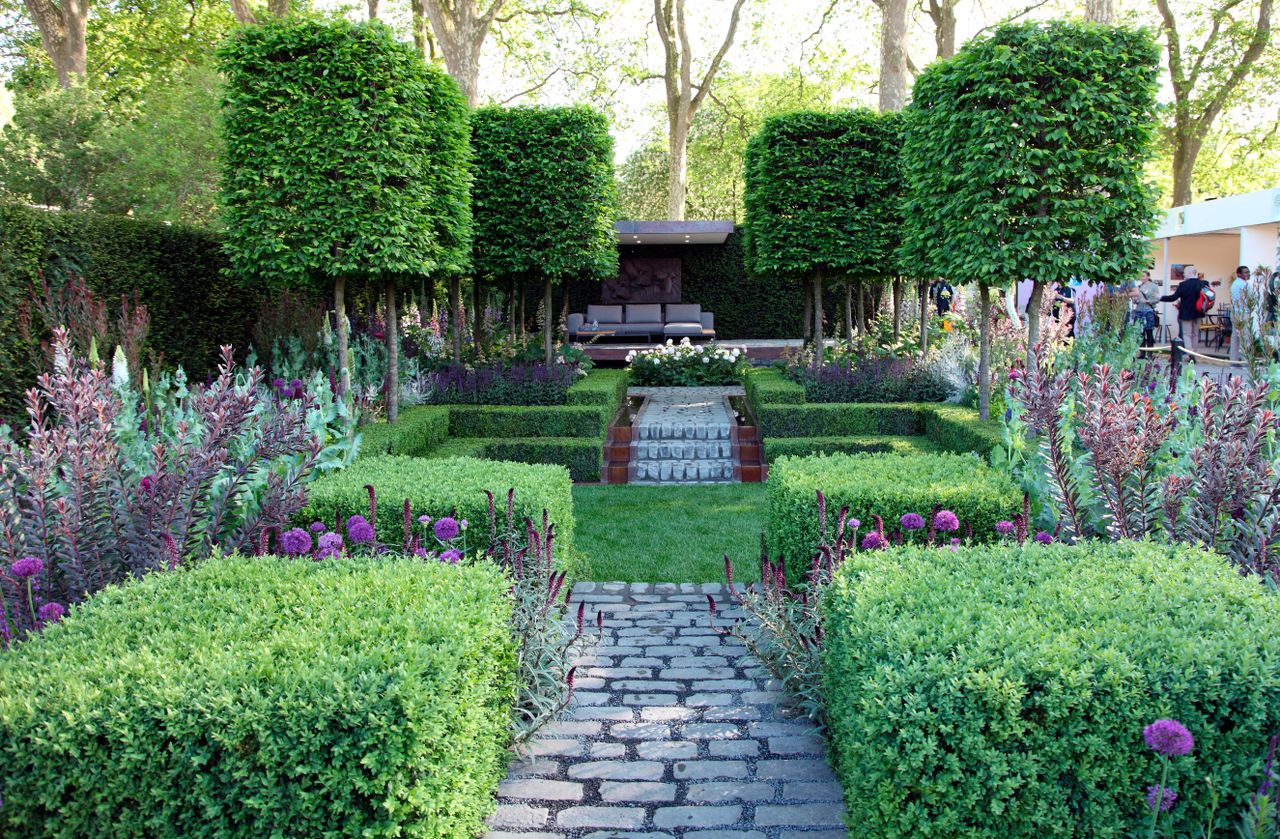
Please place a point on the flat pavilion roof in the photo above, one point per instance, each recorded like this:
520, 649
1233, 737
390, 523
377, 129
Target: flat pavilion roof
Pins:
672, 232
1222, 215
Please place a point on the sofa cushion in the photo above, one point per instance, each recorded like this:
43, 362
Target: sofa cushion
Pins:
682, 329
604, 314
654, 328
644, 313
684, 313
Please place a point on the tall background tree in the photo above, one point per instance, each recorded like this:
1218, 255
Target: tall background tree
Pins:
823, 194
544, 198
342, 161
1024, 158
685, 93
1207, 66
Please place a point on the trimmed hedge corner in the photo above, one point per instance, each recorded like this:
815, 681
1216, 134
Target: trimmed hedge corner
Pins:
605, 388
265, 697
888, 485
418, 431
839, 419
958, 429
768, 386
776, 447
1002, 691
435, 486
582, 456
528, 421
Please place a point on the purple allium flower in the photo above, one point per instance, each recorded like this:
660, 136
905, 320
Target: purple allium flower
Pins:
446, 528
854, 524
945, 521
464, 524
28, 566
955, 543
317, 527
451, 557
1044, 538
330, 544
1004, 528
52, 612
295, 542
424, 520
1169, 737
420, 552
277, 383
872, 541
359, 529
1161, 798
911, 521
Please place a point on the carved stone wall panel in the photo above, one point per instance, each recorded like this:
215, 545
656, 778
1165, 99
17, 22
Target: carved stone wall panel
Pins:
644, 279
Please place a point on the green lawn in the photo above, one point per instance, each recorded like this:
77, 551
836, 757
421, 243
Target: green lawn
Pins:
670, 534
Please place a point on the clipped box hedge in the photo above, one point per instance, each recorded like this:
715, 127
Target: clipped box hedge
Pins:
417, 432
582, 456
250, 697
438, 486
958, 429
840, 419
769, 386
888, 485
605, 388
999, 691
776, 447
528, 421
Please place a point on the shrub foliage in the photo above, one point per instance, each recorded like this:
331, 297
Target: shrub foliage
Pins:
1002, 691
261, 696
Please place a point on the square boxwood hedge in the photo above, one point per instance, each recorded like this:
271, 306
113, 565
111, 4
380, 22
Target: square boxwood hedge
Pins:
437, 486
606, 388
582, 456
776, 447
840, 419
418, 430
528, 421
1001, 691
769, 386
250, 697
887, 485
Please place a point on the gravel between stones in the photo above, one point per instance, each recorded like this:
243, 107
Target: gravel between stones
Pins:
674, 731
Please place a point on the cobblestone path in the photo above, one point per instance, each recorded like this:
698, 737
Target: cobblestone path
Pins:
674, 731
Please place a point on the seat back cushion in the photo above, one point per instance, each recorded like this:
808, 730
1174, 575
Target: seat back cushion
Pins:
604, 314
684, 313
644, 313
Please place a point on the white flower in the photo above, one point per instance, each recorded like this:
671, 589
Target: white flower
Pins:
631, 356
705, 359
119, 368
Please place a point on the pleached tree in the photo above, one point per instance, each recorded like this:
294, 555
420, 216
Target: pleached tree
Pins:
346, 161
1024, 156
543, 198
823, 198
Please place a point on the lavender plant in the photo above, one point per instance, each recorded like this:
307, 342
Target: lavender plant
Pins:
99, 491
502, 383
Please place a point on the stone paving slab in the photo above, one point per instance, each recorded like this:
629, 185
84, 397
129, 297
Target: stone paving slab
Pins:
682, 735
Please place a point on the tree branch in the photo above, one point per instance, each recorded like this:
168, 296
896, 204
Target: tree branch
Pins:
720, 54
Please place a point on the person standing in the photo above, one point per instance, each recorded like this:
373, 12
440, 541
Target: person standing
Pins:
1239, 308
1187, 296
940, 292
1064, 298
1145, 295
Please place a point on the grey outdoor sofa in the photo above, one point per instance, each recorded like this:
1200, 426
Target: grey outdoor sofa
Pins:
643, 320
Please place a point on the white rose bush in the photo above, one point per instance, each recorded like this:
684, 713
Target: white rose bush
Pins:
687, 365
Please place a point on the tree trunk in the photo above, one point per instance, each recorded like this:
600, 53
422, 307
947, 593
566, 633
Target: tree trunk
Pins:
893, 55
456, 316
924, 317
1033, 320
1099, 11
862, 308
944, 26
524, 314
62, 35
563, 323
461, 29
340, 314
984, 352
897, 308
242, 13
278, 8
806, 309
511, 306
477, 312
848, 309
423, 40
818, 346
373, 8
1186, 149
393, 354
677, 150
547, 303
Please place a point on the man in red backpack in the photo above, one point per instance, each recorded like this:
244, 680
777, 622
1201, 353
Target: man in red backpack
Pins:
1192, 305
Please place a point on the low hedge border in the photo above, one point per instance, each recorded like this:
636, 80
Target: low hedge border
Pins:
582, 456
606, 388
417, 431
438, 486
257, 696
1001, 691
777, 447
840, 420
769, 386
530, 421
958, 429
888, 485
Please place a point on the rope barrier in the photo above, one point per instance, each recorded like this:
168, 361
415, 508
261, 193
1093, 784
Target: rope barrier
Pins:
1210, 358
